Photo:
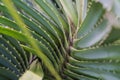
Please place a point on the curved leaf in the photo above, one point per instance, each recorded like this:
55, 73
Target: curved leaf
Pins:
94, 36
95, 13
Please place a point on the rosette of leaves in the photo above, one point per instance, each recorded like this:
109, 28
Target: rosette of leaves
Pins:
58, 40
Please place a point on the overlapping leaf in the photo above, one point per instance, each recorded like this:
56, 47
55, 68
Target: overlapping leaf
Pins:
74, 42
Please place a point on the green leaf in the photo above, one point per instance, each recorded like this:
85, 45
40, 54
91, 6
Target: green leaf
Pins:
95, 36
42, 33
76, 76
112, 36
70, 11
32, 41
96, 62
44, 23
107, 65
81, 10
22, 38
9, 23
6, 63
94, 73
46, 52
94, 14
53, 13
13, 33
101, 53
39, 30
38, 17
19, 52
33, 27
5, 72
5, 52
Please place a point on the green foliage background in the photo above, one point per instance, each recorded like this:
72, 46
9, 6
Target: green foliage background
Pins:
60, 39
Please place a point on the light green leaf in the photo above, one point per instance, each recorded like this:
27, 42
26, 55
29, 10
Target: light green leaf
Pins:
94, 14
94, 36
